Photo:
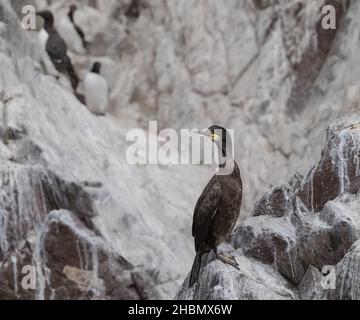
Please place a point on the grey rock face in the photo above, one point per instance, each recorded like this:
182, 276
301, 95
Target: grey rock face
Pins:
347, 279
310, 286
338, 170
70, 256
52, 160
254, 281
72, 262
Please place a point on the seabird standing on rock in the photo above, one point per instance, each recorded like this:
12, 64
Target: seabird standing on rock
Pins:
71, 32
79, 31
96, 90
218, 207
56, 49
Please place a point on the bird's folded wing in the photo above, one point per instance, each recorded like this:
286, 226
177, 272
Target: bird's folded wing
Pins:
56, 48
205, 210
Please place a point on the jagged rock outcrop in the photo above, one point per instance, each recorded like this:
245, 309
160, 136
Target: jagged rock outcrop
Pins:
254, 281
72, 262
296, 230
347, 279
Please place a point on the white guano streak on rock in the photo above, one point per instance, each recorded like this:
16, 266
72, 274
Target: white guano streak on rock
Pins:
13, 260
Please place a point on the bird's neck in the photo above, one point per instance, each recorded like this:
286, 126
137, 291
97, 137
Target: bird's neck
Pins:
226, 167
49, 27
225, 160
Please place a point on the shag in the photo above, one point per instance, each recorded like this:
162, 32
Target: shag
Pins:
96, 90
79, 31
218, 207
56, 48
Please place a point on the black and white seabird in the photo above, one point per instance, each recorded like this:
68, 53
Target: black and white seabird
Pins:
55, 48
218, 207
79, 31
71, 32
96, 90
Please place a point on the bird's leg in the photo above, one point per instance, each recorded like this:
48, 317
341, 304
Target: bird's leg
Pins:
226, 258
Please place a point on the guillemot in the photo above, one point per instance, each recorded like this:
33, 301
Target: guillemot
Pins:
54, 49
96, 90
73, 35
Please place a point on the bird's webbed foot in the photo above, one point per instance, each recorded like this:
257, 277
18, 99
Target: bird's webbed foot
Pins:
228, 259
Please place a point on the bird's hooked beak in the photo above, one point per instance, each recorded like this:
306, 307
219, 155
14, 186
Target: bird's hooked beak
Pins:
207, 133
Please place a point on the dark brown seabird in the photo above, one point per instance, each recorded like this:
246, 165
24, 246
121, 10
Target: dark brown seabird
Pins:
218, 207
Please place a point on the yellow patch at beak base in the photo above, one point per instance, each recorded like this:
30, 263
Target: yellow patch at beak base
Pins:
214, 137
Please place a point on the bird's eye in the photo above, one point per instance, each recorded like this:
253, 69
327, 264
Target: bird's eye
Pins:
214, 137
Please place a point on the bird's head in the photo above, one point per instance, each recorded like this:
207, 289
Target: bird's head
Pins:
216, 133
221, 137
96, 67
47, 16
72, 10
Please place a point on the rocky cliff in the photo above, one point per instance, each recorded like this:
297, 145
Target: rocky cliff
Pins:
71, 206
94, 226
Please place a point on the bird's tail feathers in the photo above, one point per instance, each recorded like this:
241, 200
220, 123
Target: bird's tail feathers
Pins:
195, 270
81, 98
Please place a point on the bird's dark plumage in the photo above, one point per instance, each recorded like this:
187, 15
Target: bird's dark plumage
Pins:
79, 31
96, 67
205, 210
57, 49
217, 209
